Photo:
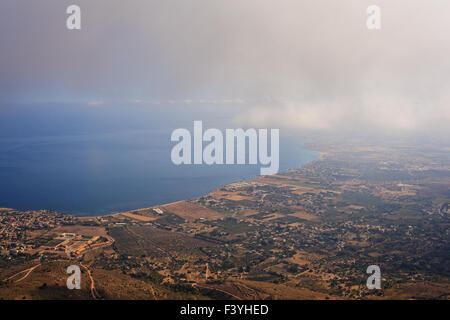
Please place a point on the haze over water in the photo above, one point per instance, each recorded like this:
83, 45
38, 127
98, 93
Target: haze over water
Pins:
94, 160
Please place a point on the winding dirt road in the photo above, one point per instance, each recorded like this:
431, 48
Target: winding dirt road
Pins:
94, 292
27, 273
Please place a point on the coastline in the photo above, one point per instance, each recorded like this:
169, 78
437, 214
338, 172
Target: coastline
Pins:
319, 157
309, 151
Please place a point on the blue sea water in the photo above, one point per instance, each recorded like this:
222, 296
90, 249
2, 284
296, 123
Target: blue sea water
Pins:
94, 160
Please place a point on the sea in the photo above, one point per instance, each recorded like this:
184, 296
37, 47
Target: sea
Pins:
99, 158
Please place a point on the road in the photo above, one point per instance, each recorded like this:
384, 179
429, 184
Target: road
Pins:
94, 292
27, 273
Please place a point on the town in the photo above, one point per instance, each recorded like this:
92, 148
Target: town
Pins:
307, 233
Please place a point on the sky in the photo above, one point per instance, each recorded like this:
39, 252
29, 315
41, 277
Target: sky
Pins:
308, 65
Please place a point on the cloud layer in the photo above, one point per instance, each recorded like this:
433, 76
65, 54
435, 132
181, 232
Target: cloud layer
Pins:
309, 65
